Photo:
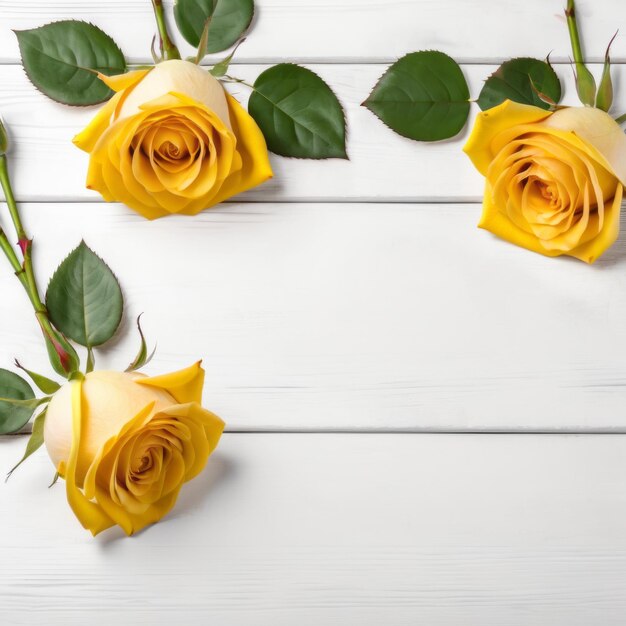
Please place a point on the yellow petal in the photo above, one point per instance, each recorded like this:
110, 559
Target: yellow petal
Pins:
592, 250
184, 385
180, 77
120, 82
491, 123
89, 514
251, 145
211, 426
499, 224
87, 138
597, 130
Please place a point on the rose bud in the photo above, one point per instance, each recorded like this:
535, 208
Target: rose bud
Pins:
126, 443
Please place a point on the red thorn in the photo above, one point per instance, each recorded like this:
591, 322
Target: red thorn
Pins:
24, 245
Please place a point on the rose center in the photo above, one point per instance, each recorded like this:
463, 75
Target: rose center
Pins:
145, 463
168, 149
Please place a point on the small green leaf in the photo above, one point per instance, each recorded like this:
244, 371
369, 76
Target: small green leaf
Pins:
229, 20
17, 402
35, 441
44, 383
522, 80
422, 96
142, 358
604, 97
585, 85
298, 113
54, 479
84, 299
61, 60
204, 40
220, 69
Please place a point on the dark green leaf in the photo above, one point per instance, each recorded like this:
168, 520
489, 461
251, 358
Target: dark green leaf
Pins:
61, 60
521, 80
44, 383
422, 96
35, 441
229, 20
84, 299
298, 113
14, 415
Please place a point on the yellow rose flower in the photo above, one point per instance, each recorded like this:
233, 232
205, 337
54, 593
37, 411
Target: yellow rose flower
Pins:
126, 443
554, 180
171, 140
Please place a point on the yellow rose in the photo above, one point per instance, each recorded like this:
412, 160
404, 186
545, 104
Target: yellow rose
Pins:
554, 181
171, 140
125, 444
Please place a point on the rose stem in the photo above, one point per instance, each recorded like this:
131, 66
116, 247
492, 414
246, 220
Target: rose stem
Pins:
570, 14
24, 271
170, 51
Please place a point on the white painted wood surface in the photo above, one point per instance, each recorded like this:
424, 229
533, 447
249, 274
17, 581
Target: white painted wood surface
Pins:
353, 316
363, 530
342, 296
356, 30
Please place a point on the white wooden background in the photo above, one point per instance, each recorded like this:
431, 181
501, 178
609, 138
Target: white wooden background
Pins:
346, 312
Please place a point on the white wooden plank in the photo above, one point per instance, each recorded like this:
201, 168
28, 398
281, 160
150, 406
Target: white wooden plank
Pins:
377, 30
279, 530
382, 166
353, 316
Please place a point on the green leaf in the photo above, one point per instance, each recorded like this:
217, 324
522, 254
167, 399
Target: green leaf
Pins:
142, 358
61, 60
44, 383
35, 441
17, 402
298, 113
229, 20
585, 85
84, 299
422, 96
521, 80
220, 69
604, 97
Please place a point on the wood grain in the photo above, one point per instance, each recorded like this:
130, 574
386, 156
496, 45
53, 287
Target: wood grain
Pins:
352, 316
383, 166
353, 30
338, 529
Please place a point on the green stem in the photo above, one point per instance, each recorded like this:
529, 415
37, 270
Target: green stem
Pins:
25, 270
570, 14
169, 49
7, 248
621, 119
233, 79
